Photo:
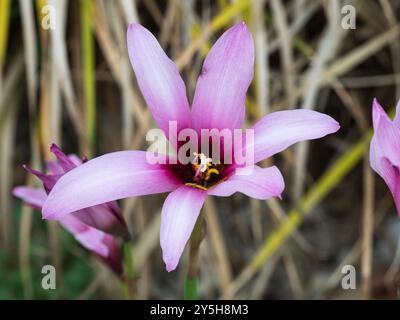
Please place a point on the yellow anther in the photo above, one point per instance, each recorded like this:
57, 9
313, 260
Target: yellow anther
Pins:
196, 186
209, 172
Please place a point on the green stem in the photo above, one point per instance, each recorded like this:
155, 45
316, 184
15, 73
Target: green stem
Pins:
190, 289
190, 292
129, 272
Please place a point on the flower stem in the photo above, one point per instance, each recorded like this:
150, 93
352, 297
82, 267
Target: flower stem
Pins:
190, 292
129, 272
190, 289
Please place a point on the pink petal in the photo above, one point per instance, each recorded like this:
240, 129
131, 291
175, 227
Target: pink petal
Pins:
106, 217
114, 258
261, 183
279, 130
389, 172
391, 175
100, 243
385, 150
54, 167
377, 113
219, 100
35, 197
48, 180
90, 238
73, 224
397, 117
387, 135
375, 156
375, 152
158, 79
110, 177
75, 159
63, 160
178, 217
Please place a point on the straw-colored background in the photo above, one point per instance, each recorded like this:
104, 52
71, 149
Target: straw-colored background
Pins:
74, 86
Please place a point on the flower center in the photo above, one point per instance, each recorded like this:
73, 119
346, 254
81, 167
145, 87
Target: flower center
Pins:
205, 172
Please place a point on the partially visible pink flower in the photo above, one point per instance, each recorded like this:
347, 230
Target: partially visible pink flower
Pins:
219, 103
106, 217
384, 150
105, 246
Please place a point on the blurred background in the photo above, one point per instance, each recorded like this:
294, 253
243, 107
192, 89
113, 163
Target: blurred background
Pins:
65, 77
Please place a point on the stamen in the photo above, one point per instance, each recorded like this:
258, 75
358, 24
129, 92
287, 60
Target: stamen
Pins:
189, 184
209, 172
205, 163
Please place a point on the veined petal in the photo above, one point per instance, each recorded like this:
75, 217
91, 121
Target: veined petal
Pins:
106, 217
377, 113
63, 160
397, 117
375, 152
178, 217
102, 244
54, 167
259, 183
35, 197
110, 177
219, 100
391, 175
388, 172
387, 135
375, 156
158, 79
385, 150
90, 238
279, 130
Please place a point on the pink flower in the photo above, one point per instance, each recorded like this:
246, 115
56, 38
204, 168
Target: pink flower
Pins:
384, 150
106, 217
102, 244
87, 225
219, 103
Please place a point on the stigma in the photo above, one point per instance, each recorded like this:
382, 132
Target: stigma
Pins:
203, 166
